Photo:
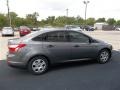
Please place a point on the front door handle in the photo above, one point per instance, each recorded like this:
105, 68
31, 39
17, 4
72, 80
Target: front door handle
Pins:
76, 46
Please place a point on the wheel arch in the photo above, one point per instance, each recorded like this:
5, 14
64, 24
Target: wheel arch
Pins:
37, 56
107, 50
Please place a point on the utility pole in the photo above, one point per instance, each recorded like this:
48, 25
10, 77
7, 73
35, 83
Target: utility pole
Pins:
86, 3
67, 11
9, 17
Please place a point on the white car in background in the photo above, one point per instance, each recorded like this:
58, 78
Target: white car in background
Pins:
117, 29
76, 29
7, 31
73, 27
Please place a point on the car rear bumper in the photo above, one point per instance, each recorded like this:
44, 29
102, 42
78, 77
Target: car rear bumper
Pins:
8, 34
15, 64
24, 33
12, 62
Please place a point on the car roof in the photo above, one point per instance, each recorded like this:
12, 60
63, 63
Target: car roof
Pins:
52, 30
42, 31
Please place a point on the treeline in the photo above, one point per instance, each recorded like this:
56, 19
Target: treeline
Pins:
31, 20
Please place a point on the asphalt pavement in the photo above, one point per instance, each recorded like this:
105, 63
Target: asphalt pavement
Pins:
83, 75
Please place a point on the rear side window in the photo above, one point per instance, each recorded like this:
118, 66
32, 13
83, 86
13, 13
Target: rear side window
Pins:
56, 36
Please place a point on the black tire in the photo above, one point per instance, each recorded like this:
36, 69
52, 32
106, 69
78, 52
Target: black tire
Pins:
102, 60
31, 65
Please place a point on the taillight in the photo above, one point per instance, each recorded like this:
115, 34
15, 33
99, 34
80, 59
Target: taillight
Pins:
15, 48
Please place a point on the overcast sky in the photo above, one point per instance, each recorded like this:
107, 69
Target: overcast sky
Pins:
96, 8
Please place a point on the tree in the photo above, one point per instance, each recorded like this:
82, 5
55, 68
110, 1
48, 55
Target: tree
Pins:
3, 20
50, 20
71, 20
90, 21
20, 22
13, 17
63, 20
118, 22
35, 17
101, 20
79, 20
31, 19
60, 21
111, 21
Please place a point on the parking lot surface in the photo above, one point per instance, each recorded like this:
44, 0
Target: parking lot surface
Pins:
3, 45
84, 75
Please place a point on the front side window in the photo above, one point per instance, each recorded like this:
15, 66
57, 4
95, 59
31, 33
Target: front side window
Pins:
78, 37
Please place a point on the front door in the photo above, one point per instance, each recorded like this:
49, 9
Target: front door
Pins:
81, 47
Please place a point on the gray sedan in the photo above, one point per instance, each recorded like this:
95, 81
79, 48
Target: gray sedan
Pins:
38, 50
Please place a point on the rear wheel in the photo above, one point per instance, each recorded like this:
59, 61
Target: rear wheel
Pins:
104, 56
38, 65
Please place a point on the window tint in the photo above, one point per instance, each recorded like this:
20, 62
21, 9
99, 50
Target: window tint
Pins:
78, 37
52, 36
57, 36
38, 38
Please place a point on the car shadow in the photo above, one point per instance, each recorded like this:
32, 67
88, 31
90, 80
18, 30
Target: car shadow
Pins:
115, 57
8, 36
74, 64
61, 66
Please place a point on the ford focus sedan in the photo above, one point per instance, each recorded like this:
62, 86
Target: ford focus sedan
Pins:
38, 50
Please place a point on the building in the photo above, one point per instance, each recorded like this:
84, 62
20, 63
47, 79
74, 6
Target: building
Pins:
99, 26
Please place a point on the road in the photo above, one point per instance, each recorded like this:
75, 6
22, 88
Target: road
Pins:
87, 75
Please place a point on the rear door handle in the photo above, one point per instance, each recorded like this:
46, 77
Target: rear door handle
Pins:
50, 46
76, 46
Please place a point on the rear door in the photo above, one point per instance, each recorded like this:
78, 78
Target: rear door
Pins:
56, 46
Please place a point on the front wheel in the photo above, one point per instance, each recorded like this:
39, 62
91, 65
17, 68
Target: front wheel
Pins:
104, 56
38, 65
